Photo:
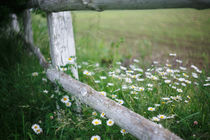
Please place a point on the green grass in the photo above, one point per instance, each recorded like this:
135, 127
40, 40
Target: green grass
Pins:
106, 38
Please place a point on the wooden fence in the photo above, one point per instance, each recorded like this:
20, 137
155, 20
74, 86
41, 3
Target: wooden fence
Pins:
62, 46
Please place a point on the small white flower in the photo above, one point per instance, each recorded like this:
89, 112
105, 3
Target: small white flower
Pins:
156, 119
96, 137
44, 79
65, 99
110, 84
167, 81
123, 131
136, 60
140, 80
194, 75
185, 75
155, 62
124, 87
102, 115
183, 84
45, 91
141, 88
68, 104
120, 101
178, 61
114, 96
150, 85
97, 81
172, 54
35, 74
157, 105
206, 85
180, 90
71, 60
94, 113
85, 63
181, 79
151, 109
110, 122
35, 126
85, 72
182, 68
165, 98
103, 93
123, 68
37, 129
96, 122
118, 63
161, 116
102, 77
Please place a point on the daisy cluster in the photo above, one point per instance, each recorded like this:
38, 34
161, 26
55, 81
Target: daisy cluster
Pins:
36, 128
129, 85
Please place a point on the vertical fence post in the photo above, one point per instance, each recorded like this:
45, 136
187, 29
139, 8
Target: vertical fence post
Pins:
14, 23
28, 33
62, 45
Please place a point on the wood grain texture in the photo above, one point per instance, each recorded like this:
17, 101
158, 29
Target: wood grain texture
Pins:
100, 5
62, 45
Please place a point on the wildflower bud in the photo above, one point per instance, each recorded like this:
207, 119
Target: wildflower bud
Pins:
51, 117
195, 123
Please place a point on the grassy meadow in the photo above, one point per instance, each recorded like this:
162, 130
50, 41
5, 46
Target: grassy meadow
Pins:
155, 62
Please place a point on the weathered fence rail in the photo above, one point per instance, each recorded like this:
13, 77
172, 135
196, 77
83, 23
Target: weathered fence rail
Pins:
100, 5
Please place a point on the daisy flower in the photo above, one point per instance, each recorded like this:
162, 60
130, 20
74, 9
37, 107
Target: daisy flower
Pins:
136, 60
85, 72
156, 119
38, 131
96, 137
120, 101
103, 93
123, 131
68, 104
167, 81
35, 74
94, 113
141, 89
45, 91
71, 60
114, 96
35, 126
161, 116
65, 99
103, 115
179, 90
151, 109
102, 77
96, 122
172, 54
110, 122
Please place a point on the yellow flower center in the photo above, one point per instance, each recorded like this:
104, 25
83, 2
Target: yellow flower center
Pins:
96, 122
35, 127
95, 139
70, 59
110, 122
64, 99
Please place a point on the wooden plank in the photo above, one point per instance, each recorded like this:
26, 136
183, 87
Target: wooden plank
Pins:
100, 5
